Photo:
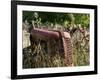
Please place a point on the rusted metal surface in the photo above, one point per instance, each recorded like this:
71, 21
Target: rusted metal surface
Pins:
67, 45
45, 33
49, 35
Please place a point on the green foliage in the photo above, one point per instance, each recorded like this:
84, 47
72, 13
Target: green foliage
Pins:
83, 19
57, 18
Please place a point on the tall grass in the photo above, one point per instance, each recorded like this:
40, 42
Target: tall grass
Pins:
39, 57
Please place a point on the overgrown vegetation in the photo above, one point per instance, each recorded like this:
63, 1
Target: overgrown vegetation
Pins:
74, 23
